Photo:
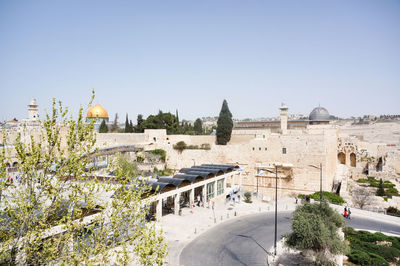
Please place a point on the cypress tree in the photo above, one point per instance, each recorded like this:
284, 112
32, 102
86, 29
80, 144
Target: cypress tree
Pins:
127, 124
224, 125
103, 127
130, 126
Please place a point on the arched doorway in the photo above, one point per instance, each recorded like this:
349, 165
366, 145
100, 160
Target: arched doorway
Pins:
379, 165
342, 158
366, 169
353, 160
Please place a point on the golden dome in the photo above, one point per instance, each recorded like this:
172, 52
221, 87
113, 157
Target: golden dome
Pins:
97, 111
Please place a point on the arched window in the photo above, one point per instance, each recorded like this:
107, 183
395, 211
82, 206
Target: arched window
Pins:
342, 158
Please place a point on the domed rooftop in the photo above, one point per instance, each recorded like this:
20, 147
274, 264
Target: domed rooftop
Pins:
97, 111
319, 114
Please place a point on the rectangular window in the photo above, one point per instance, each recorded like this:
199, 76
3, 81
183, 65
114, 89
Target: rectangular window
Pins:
220, 187
265, 148
259, 148
210, 190
284, 150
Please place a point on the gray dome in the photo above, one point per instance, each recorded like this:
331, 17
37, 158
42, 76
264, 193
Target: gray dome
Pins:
319, 114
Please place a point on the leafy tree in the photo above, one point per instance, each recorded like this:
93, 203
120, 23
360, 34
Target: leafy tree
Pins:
381, 190
103, 127
162, 121
224, 125
361, 196
47, 217
198, 126
139, 125
315, 227
125, 167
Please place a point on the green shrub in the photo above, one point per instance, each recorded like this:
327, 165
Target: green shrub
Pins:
139, 159
377, 260
247, 197
192, 147
180, 146
331, 197
393, 210
160, 152
359, 257
362, 180
364, 242
205, 146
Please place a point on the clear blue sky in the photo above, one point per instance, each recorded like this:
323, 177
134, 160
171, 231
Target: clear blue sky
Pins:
142, 56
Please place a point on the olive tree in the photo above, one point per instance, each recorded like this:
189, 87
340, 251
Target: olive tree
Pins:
361, 196
59, 212
315, 227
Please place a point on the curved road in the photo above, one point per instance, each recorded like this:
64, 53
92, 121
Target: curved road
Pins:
245, 241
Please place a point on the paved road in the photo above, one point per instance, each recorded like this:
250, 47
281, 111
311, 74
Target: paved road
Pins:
244, 241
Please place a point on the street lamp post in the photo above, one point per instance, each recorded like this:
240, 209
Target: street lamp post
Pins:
276, 204
320, 179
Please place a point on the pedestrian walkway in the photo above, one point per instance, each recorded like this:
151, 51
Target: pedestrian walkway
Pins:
180, 230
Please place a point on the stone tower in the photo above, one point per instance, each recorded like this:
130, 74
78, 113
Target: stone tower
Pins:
284, 118
33, 110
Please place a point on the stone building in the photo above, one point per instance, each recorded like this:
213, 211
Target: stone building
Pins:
318, 116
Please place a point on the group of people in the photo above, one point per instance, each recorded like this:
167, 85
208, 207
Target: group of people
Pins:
347, 212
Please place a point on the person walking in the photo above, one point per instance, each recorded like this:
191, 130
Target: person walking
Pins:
348, 213
345, 212
296, 199
198, 200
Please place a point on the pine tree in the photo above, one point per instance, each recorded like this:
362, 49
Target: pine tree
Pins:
130, 126
381, 189
126, 124
224, 125
103, 127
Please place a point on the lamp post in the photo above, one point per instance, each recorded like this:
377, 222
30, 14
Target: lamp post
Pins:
276, 203
320, 180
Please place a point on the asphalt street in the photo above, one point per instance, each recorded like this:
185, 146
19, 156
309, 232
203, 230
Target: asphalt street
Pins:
245, 241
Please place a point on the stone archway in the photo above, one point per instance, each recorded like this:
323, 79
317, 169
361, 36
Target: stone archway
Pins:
342, 158
353, 162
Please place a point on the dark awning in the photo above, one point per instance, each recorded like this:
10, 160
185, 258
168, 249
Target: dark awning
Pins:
222, 166
191, 178
175, 181
215, 171
204, 173
160, 186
